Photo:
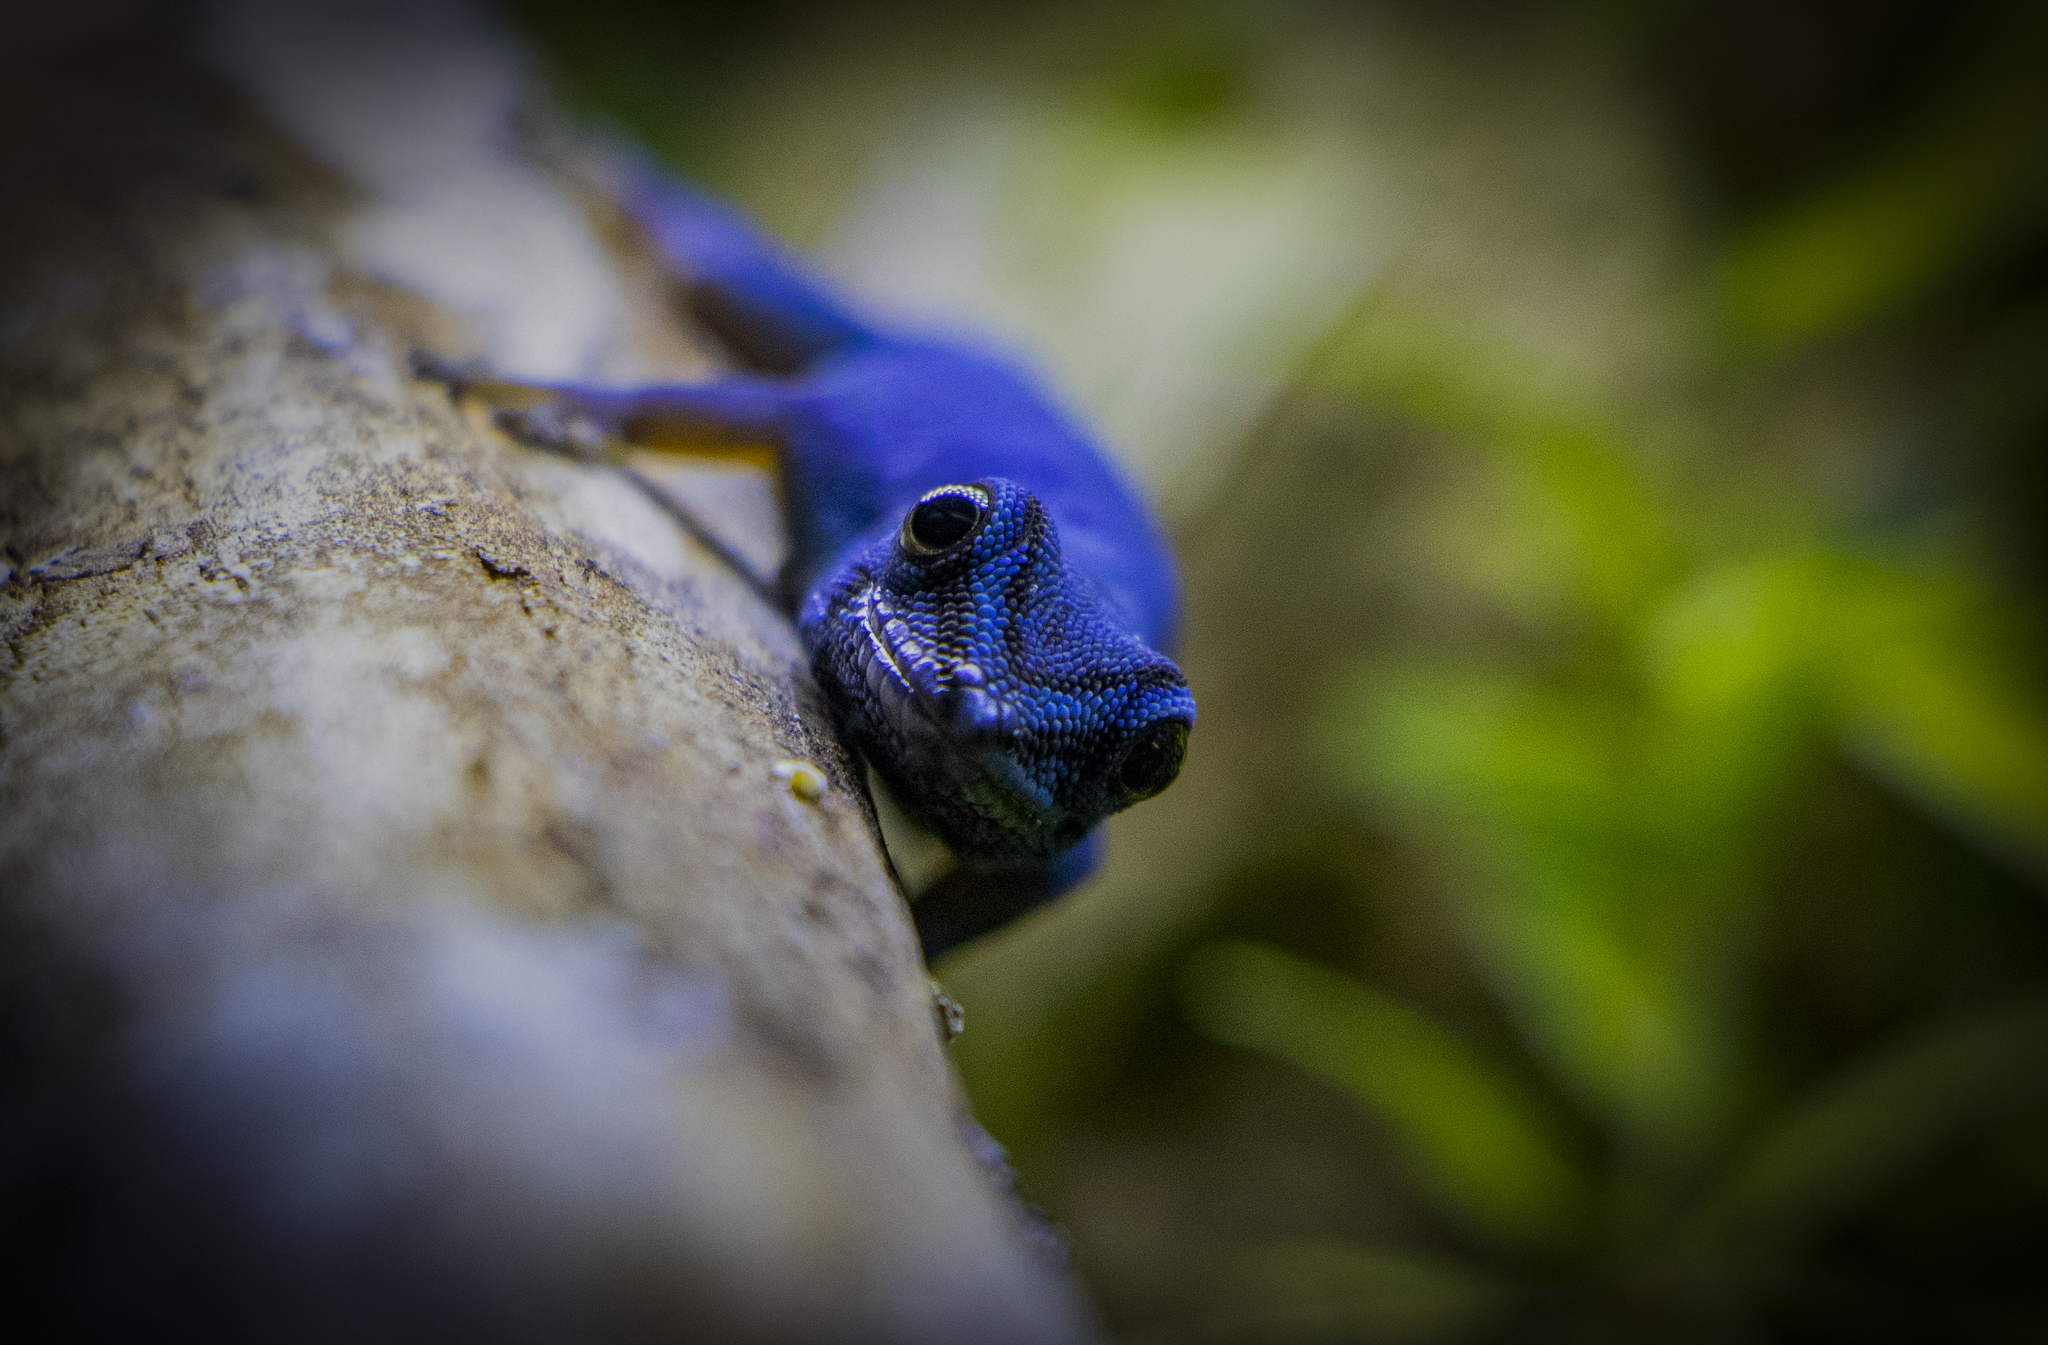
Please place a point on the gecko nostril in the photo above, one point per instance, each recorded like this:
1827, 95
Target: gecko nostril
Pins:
1154, 760
942, 519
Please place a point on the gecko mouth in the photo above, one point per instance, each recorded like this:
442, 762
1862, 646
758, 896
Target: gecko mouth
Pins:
909, 679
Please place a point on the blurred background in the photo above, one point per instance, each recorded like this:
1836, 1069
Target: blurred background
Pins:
1605, 443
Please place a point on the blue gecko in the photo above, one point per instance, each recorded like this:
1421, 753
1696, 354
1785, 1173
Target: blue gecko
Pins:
985, 601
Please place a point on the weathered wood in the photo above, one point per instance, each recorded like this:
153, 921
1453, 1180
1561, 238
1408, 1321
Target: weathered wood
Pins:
406, 930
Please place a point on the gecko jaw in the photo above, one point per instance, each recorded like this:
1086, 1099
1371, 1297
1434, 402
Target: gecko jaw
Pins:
900, 673
876, 617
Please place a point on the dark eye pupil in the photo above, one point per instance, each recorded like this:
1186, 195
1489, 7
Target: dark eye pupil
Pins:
1155, 760
941, 521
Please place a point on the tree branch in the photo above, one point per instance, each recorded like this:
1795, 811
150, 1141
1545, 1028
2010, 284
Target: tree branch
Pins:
408, 932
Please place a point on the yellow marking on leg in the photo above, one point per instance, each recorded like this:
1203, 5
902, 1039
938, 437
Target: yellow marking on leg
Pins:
502, 393
665, 436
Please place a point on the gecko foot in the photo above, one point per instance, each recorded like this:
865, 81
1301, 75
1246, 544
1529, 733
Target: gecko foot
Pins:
455, 375
544, 424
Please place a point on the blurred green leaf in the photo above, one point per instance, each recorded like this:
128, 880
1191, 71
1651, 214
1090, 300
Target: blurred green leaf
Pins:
1840, 1147
1738, 666
1479, 1146
1306, 1291
1741, 634
1454, 376
1615, 1025
1962, 185
1600, 899
1930, 703
1565, 435
1856, 251
1761, 651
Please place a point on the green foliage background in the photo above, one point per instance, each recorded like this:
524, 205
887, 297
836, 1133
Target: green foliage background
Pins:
1605, 898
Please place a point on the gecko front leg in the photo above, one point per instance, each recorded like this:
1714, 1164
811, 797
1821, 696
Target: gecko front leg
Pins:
587, 421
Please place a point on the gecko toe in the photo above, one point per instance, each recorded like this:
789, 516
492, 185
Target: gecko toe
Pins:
546, 426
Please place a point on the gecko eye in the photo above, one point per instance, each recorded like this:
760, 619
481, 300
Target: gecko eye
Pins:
943, 519
1154, 760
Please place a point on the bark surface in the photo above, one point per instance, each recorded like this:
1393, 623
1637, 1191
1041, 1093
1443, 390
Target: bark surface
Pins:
407, 932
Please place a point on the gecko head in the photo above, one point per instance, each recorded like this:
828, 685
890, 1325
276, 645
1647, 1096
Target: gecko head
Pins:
988, 684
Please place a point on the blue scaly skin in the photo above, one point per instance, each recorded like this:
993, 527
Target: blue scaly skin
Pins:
985, 601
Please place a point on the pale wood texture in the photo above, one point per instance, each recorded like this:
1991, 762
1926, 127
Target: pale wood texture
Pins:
407, 933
